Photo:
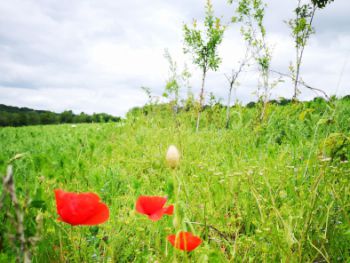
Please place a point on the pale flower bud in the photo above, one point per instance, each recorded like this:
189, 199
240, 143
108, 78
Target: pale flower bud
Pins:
173, 156
176, 222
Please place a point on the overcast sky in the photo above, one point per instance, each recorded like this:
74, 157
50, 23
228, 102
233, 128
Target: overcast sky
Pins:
94, 55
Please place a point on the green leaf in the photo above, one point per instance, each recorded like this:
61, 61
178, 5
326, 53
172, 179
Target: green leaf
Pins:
40, 204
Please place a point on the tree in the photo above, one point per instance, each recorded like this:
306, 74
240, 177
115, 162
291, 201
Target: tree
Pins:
172, 86
81, 118
33, 118
66, 117
49, 118
23, 119
302, 29
203, 47
4, 119
232, 80
175, 82
251, 14
14, 116
185, 78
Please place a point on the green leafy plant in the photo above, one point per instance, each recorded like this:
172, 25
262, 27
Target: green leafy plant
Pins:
336, 147
203, 44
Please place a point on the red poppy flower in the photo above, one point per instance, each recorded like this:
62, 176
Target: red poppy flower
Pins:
153, 207
80, 209
185, 241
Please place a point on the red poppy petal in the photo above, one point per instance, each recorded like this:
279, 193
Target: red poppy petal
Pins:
59, 196
139, 207
76, 209
79, 207
156, 216
168, 210
150, 204
192, 243
171, 239
185, 241
101, 215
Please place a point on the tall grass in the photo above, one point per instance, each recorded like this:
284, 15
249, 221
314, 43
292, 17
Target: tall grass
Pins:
276, 190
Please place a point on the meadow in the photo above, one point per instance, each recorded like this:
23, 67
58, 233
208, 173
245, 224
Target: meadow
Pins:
275, 190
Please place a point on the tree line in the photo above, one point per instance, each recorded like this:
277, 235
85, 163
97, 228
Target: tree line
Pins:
15, 116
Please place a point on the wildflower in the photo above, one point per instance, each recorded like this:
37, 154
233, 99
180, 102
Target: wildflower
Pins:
185, 241
153, 207
173, 156
80, 209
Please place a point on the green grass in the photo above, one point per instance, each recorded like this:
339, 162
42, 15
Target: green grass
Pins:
257, 192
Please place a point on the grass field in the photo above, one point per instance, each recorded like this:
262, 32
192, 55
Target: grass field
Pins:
270, 191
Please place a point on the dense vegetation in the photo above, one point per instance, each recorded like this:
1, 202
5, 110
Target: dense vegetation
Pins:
15, 116
271, 190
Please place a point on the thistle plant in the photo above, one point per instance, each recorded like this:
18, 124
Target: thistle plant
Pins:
203, 47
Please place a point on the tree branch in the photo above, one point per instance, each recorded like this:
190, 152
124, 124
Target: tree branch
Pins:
301, 82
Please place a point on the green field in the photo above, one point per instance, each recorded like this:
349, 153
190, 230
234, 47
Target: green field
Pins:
276, 190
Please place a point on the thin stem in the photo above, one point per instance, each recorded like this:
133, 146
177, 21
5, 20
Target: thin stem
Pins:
201, 98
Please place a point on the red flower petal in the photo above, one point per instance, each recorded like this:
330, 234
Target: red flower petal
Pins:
101, 215
157, 215
150, 204
153, 207
80, 209
185, 241
168, 210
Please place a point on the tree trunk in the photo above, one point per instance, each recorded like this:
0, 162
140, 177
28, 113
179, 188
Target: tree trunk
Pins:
266, 95
296, 75
201, 100
228, 107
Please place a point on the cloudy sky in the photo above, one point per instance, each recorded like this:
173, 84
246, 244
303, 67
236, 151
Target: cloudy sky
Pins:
94, 55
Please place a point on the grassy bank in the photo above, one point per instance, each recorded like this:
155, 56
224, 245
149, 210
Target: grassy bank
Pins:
272, 190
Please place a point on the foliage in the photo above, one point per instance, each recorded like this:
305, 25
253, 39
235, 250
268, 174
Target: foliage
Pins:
301, 30
172, 86
321, 3
203, 44
251, 14
175, 82
256, 191
336, 146
15, 116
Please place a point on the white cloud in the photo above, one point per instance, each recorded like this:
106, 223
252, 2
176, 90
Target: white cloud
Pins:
94, 56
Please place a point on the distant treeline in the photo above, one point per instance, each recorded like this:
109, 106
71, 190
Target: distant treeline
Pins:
15, 116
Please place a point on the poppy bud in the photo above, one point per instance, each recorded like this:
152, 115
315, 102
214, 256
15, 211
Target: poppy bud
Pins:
173, 156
